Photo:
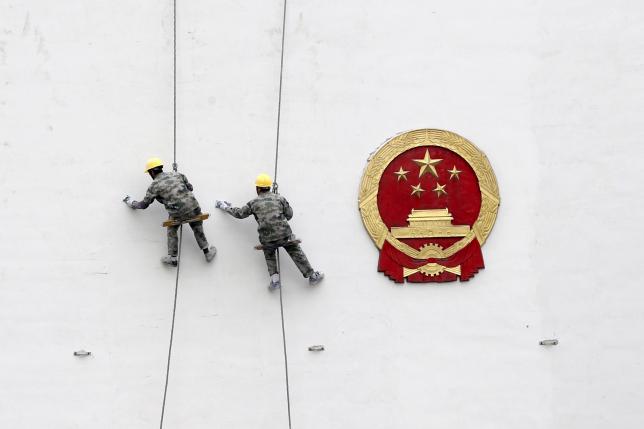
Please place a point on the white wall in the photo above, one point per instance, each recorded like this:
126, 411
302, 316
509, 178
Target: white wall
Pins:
551, 91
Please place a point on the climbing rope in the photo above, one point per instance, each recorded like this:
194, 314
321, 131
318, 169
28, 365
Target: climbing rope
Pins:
174, 83
279, 96
277, 146
174, 312
288, 394
174, 167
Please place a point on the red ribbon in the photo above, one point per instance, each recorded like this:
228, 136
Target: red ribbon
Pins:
392, 261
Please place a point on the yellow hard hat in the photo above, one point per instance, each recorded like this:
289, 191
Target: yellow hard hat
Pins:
153, 163
263, 181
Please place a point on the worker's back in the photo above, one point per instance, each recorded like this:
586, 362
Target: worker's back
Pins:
272, 213
173, 190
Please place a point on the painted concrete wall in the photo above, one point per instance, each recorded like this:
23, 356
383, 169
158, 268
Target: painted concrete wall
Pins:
551, 91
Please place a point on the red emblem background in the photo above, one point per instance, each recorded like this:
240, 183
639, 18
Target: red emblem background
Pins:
395, 202
387, 198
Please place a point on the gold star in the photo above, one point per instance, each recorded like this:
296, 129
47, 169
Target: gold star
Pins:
427, 163
402, 174
417, 190
440, 189
454, 173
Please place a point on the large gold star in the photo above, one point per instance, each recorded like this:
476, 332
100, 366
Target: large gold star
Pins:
417, 190
402, 174
454, 173
440, 189
427, 164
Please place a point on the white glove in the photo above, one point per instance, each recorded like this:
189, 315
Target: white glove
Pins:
128, 201
223, 205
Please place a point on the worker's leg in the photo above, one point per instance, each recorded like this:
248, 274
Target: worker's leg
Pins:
173, 240
271, 261
200, 236
197, 229
297, 255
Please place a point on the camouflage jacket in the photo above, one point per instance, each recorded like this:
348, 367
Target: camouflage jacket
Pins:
272, 213
173, 190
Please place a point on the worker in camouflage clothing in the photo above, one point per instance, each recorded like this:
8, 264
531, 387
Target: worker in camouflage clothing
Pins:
173, 190
272, 213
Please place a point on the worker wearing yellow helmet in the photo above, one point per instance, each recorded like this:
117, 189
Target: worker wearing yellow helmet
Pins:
272, 212
173, 190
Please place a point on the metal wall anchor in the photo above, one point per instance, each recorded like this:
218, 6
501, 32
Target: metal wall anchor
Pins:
549, 342
316, 348
82, 353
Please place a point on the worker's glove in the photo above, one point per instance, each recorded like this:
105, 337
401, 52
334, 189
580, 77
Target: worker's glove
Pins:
275, 187
223, 205
129, 201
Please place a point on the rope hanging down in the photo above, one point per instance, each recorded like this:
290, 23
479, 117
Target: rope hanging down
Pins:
174, 83
277, 146
288, 394
174, 167
279, 95
174, 312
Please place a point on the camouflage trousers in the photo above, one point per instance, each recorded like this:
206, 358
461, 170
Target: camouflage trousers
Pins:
197, 229
294, 251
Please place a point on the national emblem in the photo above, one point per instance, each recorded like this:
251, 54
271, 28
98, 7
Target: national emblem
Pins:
429, 236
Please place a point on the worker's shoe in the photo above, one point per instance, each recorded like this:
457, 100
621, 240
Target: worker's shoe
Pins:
275, 282
210, 253
169, 260
315, 278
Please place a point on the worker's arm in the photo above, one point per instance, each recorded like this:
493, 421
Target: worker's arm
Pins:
142, 205
147, 200
288, 210
185, 180
238, 212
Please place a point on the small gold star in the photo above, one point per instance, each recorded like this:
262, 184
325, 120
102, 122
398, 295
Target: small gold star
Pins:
402, 174
440, 189
427, 163
454, 173
417, 190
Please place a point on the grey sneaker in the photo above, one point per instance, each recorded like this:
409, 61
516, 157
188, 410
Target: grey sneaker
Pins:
275, 282
210, 254
315, 278
169, 260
